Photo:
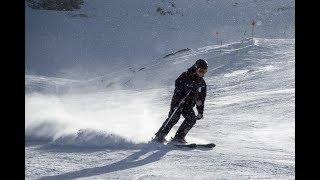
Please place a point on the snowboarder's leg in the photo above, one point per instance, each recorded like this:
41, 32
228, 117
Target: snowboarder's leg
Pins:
190, 120
167, 125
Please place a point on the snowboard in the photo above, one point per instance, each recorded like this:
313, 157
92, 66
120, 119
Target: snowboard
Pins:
189, 145
195, 145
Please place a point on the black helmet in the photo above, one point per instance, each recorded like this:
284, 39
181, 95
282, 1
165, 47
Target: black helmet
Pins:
200, 63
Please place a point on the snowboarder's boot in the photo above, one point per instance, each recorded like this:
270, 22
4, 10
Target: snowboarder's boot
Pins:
160, 138
179, 140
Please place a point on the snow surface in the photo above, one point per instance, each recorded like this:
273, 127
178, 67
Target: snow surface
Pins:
98, 128
249, 115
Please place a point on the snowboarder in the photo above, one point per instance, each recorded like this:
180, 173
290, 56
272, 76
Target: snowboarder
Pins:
190, 90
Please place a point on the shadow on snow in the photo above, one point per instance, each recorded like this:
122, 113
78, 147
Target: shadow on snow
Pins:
127, 163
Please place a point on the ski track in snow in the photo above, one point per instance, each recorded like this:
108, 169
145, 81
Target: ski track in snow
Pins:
249, 115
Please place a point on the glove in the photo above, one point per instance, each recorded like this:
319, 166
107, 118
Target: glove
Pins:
199, 116
198, 102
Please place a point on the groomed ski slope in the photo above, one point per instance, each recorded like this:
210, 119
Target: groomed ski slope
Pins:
96, 130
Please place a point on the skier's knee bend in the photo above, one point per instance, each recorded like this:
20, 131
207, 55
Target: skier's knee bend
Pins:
189, 115
192, 121
167, 125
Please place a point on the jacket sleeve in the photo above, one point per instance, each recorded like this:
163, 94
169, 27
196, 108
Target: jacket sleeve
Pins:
179, 91
180, 86
202, 97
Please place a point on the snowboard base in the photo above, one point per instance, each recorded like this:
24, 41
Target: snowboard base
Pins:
188, 145
195, 145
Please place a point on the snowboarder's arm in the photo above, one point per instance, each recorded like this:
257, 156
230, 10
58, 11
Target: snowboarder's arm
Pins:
201, 99
180, 86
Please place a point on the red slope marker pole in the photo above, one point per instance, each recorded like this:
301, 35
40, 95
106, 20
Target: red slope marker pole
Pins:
217, 35
253, 23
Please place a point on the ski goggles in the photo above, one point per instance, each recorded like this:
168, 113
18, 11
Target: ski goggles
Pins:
202, 71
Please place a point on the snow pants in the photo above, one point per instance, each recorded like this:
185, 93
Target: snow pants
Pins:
190, 119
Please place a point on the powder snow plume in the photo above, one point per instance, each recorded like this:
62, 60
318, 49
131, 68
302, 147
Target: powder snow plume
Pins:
112, 118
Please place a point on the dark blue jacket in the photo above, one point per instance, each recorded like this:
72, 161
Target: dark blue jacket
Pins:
189, 81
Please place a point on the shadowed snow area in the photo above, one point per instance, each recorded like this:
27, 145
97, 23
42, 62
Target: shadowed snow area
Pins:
104, 36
